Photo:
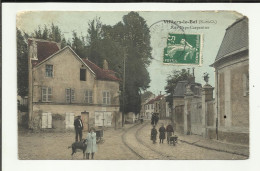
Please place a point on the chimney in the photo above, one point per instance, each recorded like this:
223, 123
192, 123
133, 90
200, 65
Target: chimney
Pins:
105, 65
33, 50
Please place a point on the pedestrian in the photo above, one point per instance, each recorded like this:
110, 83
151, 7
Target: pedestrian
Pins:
142, 120
170, 132
78, 128
152, 119
91, 143
162, 133
153, 134
156, 118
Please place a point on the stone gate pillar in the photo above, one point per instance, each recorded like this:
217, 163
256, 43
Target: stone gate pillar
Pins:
187, 110
207, 95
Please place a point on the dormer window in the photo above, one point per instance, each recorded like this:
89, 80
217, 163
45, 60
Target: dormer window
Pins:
49, 70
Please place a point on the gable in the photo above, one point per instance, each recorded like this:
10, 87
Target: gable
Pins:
64, 53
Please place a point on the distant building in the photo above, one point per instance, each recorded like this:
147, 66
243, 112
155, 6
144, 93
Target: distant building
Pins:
157, 105
145, 110
62, 86
149, 109
232, 84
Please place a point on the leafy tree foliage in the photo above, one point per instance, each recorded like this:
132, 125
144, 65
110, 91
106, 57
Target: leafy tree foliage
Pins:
129, 40
172, 81
22, 64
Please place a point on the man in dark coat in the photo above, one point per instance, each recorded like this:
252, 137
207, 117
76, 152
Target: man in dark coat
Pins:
78, 128
156, 118
162, 133
153, 119
170, 131
153, 134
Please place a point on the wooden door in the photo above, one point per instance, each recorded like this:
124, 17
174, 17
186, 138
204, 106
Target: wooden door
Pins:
85, 120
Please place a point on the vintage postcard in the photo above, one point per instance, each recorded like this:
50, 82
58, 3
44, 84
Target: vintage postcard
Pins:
132, 85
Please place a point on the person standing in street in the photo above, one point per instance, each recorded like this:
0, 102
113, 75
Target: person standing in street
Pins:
170, 131
153, 134
91, 143
162, 133
78, 128
142, 119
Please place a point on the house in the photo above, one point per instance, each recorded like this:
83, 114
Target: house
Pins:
62, 85
232, 85
149, 109
144, 108
157, 105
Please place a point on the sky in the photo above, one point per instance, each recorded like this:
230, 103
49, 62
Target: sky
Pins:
210, 24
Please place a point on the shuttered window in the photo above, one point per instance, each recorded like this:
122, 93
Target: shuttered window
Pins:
69, 120
106, 97
89, 96
70, 95
46, 120
46, 94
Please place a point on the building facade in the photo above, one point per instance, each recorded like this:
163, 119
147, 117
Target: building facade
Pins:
62, 86
232, 84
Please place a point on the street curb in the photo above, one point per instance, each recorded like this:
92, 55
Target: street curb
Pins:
210, 148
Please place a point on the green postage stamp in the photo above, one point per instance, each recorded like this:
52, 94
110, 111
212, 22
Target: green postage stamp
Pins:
183, 49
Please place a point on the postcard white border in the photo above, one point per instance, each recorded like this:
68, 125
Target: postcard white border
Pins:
9, 131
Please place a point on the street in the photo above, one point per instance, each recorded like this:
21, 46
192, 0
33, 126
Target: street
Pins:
130, 143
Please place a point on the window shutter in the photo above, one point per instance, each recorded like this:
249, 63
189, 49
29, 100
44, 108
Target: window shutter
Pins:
49, 120
44, 94
86, 96
71, 120
67, 117
104, 97
49, 94
108, 98
44, 120
72, 95
90, 97
67, 92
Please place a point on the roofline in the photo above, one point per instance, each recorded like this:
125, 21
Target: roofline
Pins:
237, 21
230, 54
61, 51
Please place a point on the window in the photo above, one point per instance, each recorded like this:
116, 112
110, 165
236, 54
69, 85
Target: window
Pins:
46, 120
106, 97
82, 74
245, 84
70, 95
89, 96
46, 94
49, 70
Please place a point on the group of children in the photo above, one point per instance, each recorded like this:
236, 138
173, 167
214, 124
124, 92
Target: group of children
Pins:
162, 130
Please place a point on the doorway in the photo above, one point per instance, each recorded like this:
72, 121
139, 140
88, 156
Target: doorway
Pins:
85, 120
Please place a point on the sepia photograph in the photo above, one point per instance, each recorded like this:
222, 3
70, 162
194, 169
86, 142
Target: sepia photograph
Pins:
132, 85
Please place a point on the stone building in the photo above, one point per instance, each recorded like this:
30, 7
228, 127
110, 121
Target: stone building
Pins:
232, 84
62, 86
226, 117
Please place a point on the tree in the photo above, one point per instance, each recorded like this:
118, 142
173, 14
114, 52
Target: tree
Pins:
22, 64
172, 81
78, 45
52, 34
